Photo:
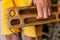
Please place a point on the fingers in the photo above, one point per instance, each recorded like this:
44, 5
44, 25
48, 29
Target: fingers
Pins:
39, 9
49, 5
43, 8
40, 12
34, 2
45, 11
49, 12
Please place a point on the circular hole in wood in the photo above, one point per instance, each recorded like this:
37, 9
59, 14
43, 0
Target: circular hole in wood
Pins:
59, 15
54, 9
12, 13
54, 1
15, 22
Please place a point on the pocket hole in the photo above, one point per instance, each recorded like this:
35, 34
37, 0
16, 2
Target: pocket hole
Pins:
27, 11
34, 20
15, 22
59, 15
54, 9
54, 1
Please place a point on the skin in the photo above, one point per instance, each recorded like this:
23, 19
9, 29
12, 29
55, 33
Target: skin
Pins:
43, 8
11, 37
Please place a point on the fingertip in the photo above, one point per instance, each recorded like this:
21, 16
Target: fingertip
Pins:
45, 16
38, 17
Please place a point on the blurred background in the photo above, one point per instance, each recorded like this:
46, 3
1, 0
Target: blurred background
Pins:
1, 36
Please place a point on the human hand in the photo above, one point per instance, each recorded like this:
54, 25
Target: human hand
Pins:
43, 8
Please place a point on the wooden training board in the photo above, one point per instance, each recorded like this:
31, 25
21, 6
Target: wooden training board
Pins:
25, 16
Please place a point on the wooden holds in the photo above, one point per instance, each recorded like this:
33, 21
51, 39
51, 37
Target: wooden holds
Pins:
24, 16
